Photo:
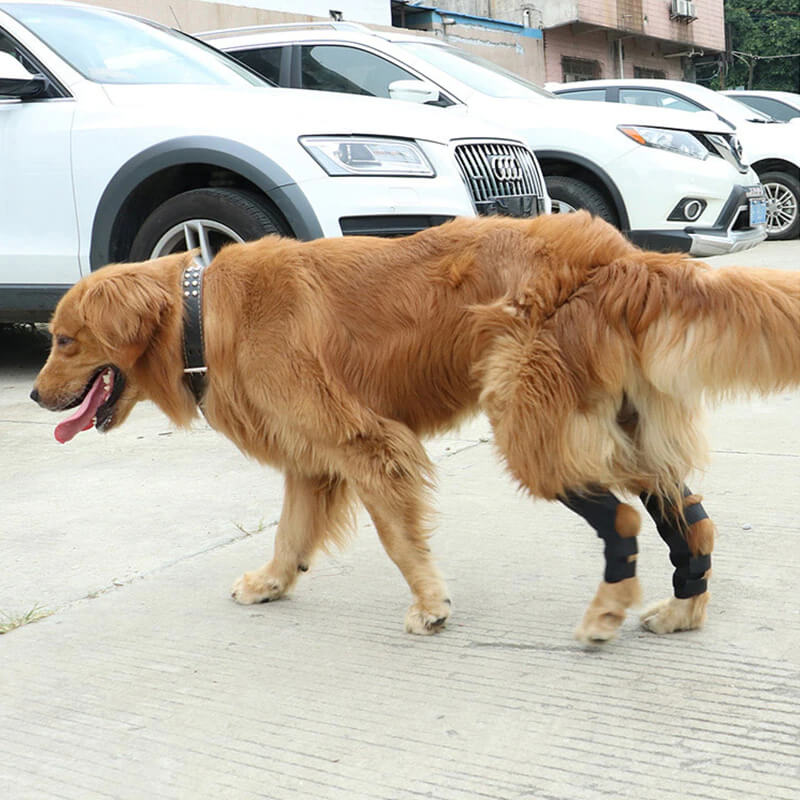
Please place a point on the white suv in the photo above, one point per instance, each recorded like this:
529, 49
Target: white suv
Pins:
671, 182
771, 146
123, 140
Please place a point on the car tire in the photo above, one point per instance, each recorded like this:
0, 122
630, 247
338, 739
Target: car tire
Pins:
783, 205
204, 218
570, 194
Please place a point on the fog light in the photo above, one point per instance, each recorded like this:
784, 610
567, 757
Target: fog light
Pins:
692, 209
688, 210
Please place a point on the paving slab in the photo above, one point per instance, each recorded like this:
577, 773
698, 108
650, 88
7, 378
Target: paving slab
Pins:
147, 681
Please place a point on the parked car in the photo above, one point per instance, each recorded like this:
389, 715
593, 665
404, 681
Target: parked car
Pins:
771, 147
124, 140
670, 182
783, 106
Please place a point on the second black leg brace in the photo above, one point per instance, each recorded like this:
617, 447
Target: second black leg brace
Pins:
688, 579
600, 511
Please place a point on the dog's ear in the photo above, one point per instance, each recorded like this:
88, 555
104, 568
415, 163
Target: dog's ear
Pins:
123, 310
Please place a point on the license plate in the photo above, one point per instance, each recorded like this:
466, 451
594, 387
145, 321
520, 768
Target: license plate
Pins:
758, 211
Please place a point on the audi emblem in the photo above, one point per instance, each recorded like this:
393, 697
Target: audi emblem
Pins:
505, 168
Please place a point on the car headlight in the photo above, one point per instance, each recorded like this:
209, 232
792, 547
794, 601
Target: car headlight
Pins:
665, 139
356, 155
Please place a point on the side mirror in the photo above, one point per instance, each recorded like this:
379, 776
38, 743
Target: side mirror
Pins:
413, 91
17, 82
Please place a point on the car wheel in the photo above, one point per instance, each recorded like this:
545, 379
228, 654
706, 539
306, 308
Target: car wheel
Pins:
570, 194
783, 205
206, 219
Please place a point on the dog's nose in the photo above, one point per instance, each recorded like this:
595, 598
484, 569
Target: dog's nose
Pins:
35, 395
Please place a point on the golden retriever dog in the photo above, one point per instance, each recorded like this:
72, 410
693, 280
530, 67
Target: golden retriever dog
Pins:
330, 359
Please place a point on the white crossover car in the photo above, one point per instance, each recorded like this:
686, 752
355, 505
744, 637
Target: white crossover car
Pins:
669, 181
770, 146
123, 140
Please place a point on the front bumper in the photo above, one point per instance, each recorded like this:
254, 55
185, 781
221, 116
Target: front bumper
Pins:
731, 232
712, 244
338, 202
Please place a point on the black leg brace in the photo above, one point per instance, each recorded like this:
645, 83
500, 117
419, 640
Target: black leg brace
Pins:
600, 511
687, 580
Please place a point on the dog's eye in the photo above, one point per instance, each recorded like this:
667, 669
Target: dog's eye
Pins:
64, 341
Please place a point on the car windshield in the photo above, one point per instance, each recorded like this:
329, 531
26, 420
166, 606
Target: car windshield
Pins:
113, 48
476, 72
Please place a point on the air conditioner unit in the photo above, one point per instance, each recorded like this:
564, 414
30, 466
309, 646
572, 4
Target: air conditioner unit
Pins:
679, 8
682, 10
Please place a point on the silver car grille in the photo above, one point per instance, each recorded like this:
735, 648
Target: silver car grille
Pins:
503, 178
727, 146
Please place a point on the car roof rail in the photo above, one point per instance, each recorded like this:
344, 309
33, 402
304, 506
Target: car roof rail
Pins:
288, 26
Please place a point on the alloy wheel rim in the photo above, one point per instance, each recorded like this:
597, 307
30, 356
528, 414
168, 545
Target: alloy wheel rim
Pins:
781, 207
205, 235
560, 207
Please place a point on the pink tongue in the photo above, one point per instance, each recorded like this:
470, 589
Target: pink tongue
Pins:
81, 419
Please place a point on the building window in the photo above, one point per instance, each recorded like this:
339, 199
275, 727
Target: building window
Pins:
579, 69
645, 72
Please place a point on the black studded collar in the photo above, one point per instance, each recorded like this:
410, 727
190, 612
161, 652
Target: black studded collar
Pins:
195, 368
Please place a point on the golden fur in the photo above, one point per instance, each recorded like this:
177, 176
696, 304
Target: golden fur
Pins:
329, 359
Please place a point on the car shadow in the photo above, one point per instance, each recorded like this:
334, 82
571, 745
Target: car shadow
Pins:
23, 347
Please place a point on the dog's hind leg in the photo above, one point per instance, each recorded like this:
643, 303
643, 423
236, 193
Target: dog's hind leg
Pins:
314, 510
690, 544
617, 524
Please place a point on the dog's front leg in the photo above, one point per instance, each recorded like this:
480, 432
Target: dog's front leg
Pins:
617, 524
405, 541
391, 473
314, 509
690, 544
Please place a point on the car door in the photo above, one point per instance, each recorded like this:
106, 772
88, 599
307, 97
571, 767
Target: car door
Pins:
38, 226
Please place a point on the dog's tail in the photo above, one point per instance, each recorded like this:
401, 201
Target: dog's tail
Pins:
713, 333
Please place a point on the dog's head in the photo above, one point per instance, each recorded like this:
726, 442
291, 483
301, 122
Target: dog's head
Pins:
101, 330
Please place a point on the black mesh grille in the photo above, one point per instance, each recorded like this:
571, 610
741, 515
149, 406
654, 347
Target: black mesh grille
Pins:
497, 172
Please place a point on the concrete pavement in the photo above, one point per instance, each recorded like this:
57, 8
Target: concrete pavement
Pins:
147, 681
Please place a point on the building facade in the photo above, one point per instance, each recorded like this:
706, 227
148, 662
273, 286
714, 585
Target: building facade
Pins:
584, 39
630, 38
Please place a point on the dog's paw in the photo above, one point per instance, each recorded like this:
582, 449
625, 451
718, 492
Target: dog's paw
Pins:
606, 612
254, 587
599, 627
425, 618
676, 614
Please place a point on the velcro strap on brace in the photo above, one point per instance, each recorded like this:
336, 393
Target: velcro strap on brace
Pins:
688, 579
620, 555
694, 513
